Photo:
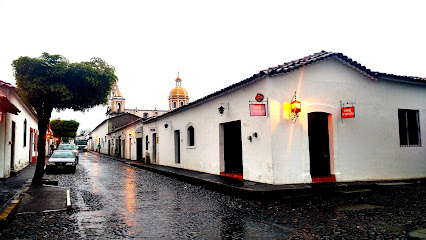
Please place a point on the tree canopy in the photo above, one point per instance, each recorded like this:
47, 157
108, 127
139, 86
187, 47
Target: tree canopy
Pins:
64, 128
51, 81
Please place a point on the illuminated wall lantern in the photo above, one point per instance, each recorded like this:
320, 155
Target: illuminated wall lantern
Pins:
48, 136
296, 108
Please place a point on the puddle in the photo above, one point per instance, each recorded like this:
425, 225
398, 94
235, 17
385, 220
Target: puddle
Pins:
393, 184
358, 207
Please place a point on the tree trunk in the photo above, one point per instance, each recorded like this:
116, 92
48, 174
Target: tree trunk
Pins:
41, 148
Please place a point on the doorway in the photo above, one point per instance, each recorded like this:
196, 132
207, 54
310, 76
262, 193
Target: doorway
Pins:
319, 146
12, 147
130, 149
30, 145
232, 149
123, 150
154, 147
177, 146
138, 148
109, 147
117, 146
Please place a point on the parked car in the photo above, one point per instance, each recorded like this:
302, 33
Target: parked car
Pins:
70, 147
62, 160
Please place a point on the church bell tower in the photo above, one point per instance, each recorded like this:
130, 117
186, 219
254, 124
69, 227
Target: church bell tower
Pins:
116, 102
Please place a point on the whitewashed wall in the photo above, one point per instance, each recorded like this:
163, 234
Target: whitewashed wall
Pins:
365, 147
205, 155
22, 153
98, 136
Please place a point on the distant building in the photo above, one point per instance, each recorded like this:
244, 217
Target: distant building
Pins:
116, 106
18, 132
178, 96
116, 102
117, 117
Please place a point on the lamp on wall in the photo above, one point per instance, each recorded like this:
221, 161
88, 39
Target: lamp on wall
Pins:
221, 109
296, 107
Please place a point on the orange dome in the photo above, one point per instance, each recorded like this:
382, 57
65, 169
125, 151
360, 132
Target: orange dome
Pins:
178, 91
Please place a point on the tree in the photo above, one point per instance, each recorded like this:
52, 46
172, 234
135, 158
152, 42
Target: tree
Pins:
51, 81
64, 128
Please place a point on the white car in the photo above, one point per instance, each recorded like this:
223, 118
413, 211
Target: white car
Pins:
62, 160
69, 147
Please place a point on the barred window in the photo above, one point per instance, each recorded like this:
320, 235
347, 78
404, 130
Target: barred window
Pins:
409, 128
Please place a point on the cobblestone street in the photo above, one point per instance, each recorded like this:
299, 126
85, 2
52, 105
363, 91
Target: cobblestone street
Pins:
112, 200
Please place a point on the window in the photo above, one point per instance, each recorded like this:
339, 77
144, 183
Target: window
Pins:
25, 132
174, 104
409, 127
190, 136
145, 115
181, 103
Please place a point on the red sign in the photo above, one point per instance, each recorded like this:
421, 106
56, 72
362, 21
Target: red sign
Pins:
259, 97
348, 112
257, 110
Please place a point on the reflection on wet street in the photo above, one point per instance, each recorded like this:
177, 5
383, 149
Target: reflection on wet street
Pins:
113, 200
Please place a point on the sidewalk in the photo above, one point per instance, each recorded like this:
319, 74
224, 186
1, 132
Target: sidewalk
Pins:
20, 191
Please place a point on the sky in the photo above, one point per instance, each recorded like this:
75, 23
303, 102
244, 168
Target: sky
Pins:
212, 44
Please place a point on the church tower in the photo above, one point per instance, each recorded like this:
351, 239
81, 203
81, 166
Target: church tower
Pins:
178, 96
115, 101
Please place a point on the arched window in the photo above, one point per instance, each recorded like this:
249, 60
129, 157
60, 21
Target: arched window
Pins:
190, 136
174, 104
118, 107
181, 103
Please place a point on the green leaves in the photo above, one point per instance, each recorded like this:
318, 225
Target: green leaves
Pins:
64, 128
51, 81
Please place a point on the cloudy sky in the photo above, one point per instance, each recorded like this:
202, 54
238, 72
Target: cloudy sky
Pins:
213, 44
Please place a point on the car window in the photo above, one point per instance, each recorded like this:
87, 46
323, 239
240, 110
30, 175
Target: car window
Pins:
67, 147
62, 155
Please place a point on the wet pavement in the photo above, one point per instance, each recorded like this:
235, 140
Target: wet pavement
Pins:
112, 200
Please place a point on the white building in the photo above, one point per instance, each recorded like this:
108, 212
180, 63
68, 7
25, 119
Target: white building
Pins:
18, 132
98, 140
101, 139
129, 139
235, 132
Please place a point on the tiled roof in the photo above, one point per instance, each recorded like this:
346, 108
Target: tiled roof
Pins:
292, 66
6, 84
7, 106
